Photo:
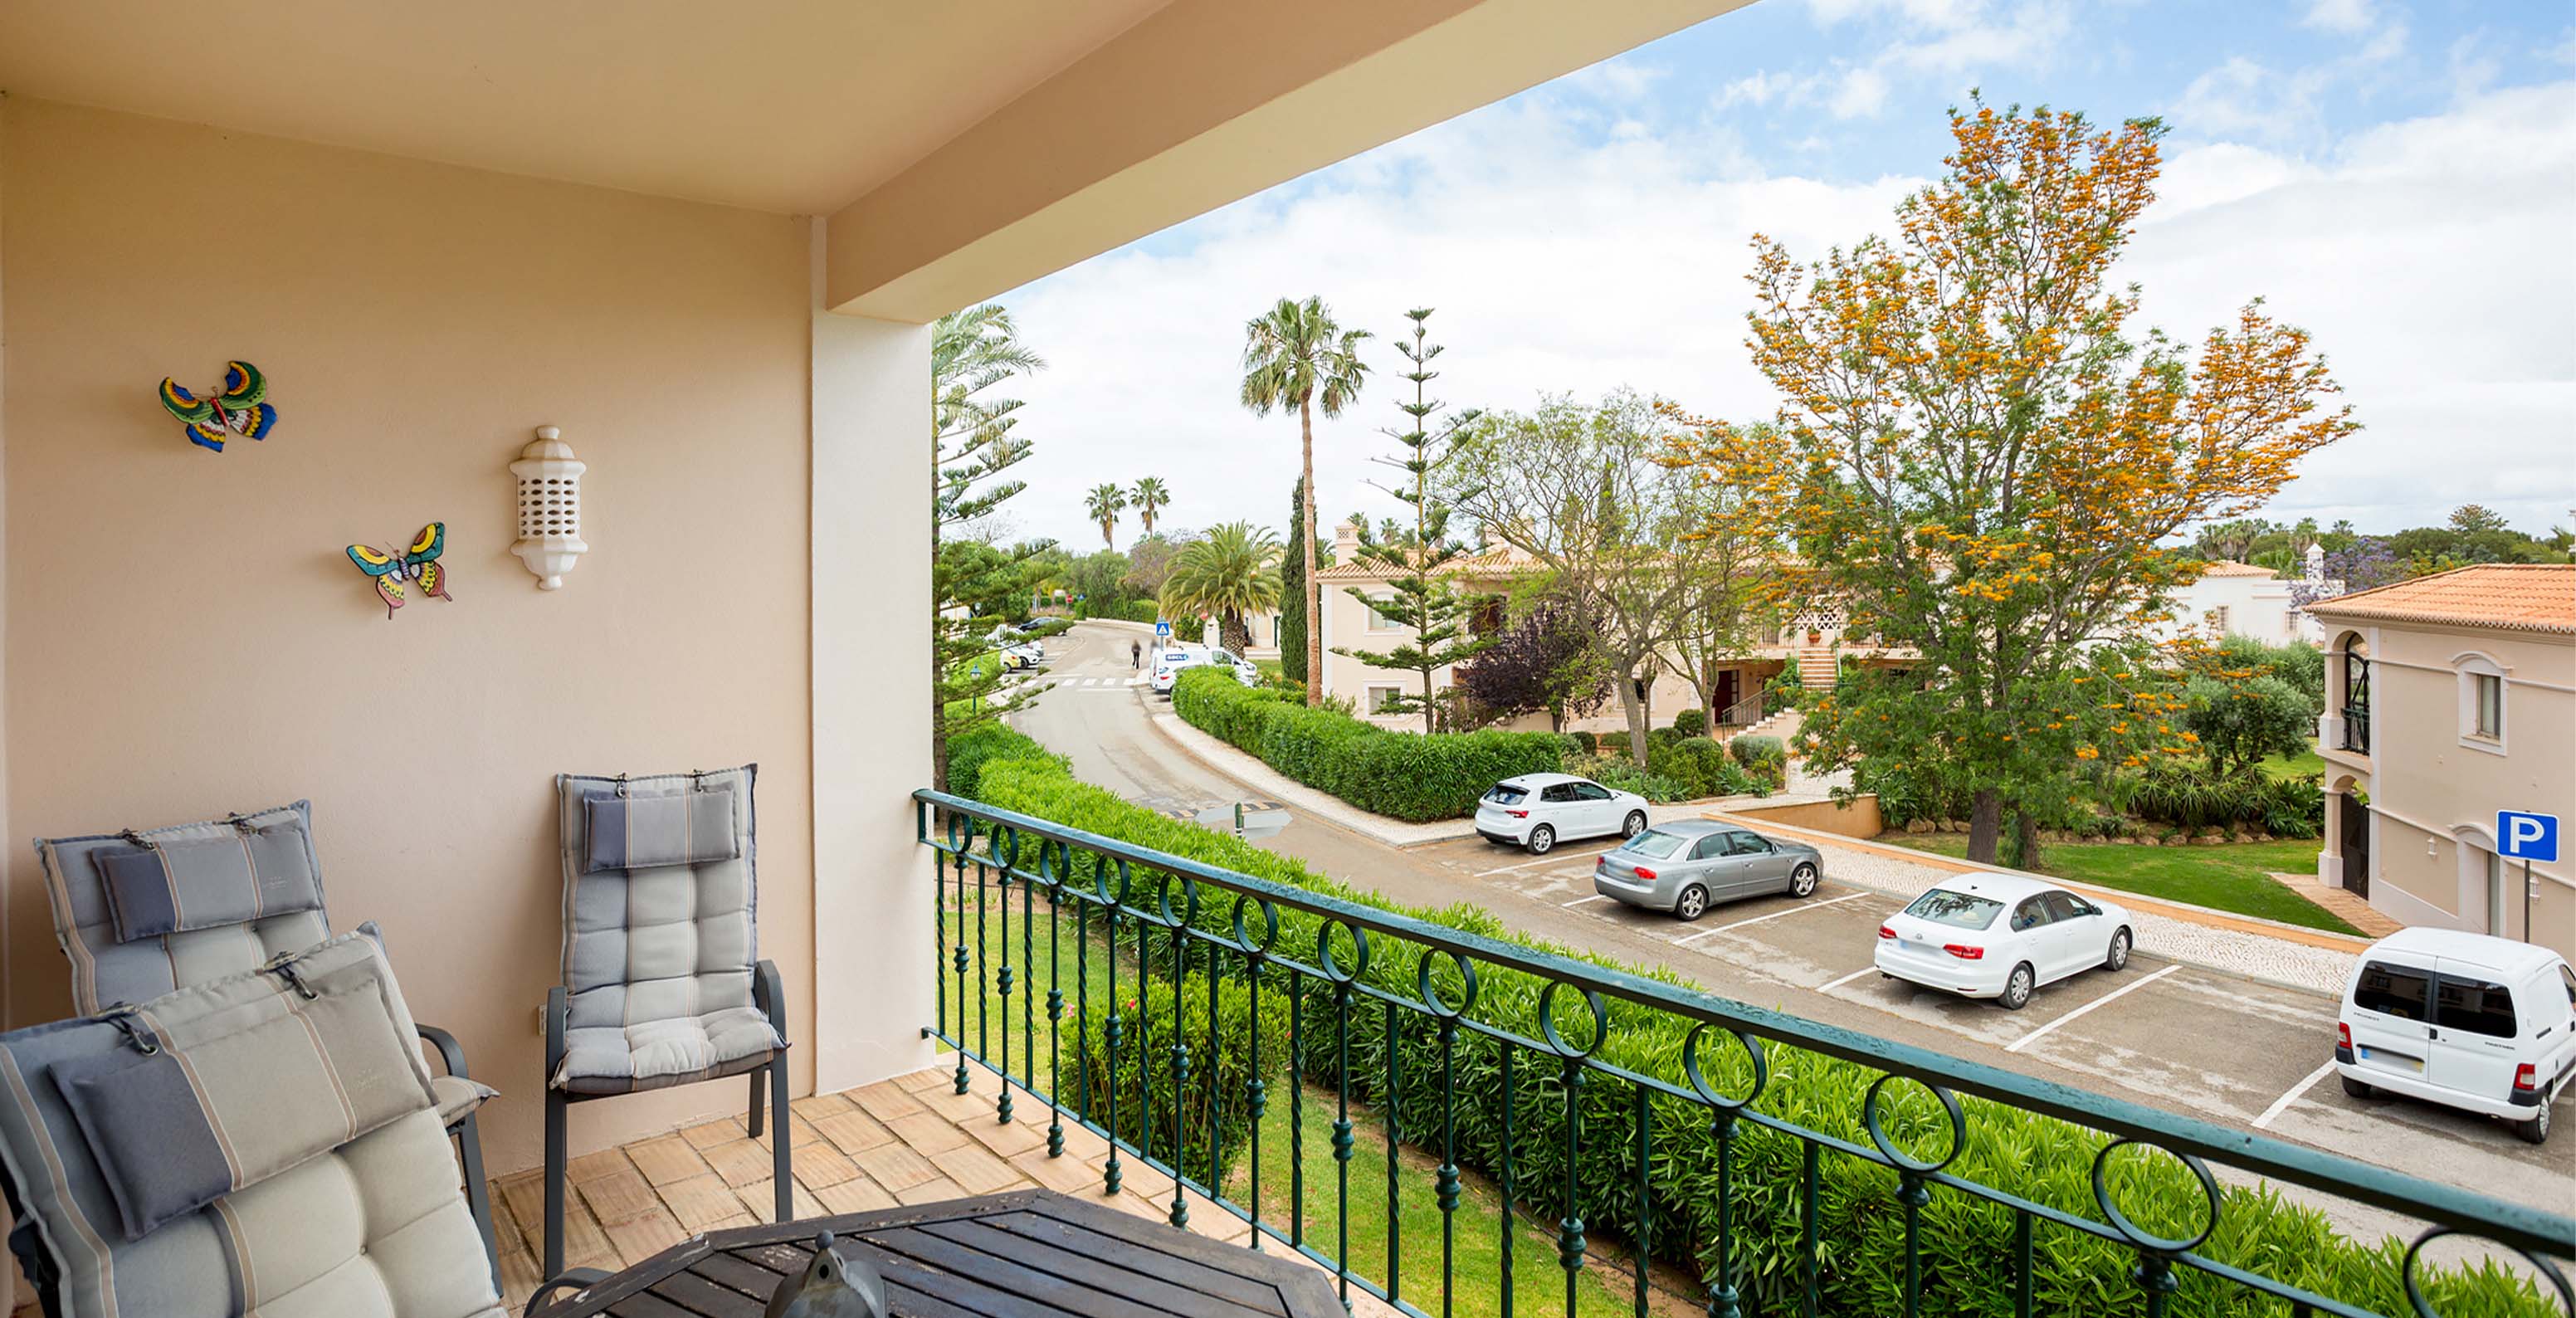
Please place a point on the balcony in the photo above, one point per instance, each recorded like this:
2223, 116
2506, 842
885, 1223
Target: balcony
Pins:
1757, 1162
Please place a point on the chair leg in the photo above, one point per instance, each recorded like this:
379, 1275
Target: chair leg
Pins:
782, 1141
754, 1118
555, 1173
478, 1193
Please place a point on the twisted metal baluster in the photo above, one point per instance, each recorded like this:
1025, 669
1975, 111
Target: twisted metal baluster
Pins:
1215, 1173
1296, 1111
1569, 1228
1082, 999
1110, 1174
1644, 1242
1144, 1036
1029, 982
1722, 1298
1002, 985
1255, 1098
1342, 1141
964, 843
1509, 1095
1180, 1216
983, 1005
1055, 1003
1394, 1097
1447, 1191
921, 816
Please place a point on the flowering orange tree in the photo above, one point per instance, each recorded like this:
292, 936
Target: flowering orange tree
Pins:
1980, 457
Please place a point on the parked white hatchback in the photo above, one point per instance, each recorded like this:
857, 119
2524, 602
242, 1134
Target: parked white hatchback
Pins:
2465, 1020
2001, 936
1536, 811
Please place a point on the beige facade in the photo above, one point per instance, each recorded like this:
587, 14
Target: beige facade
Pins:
2447, 702
707, 251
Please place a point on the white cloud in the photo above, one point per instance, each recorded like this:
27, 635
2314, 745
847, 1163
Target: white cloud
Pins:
1862, 94
2339, 15
2428, 257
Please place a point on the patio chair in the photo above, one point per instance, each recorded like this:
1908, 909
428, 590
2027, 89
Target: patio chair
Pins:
266, 1142
662, 982
142, 913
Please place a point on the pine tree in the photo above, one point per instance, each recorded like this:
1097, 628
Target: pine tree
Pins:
1415, 559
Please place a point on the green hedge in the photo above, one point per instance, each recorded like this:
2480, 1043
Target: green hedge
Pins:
1145, 1101
1691, 723
1403, 775
1145, 611
1969, 1259
969, 752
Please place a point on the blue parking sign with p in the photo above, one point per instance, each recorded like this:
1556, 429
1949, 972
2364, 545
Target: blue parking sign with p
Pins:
2521, 835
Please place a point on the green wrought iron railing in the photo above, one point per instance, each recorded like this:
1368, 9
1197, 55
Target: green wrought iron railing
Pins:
1153, 1055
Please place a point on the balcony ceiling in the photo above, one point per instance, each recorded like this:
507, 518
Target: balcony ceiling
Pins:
789, 106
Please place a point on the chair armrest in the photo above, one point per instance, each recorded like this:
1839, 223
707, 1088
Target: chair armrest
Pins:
451, 1054
769, 997
572, 1279
558, 1007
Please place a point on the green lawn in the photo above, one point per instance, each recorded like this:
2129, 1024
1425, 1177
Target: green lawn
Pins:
1012, 1026
2232, 877
2302, 765
1538, 1283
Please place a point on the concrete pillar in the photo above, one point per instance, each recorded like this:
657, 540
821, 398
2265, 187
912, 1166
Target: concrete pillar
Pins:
874, 893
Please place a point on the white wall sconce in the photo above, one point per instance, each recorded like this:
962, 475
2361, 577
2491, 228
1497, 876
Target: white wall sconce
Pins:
549, 508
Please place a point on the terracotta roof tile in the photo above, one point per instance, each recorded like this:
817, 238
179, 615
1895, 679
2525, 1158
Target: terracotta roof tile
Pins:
2228, 567
2521, 597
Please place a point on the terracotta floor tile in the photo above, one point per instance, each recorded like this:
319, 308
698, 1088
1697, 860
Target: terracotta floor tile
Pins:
1065, 1175
700, 1202
819, 1165
979, 1170
670, 1158
619, 1197
815, 1107
757, 1201
712, 1132
740, 1162
591, 1166
1006, 1139
927, 1132
854, 1130
931, 1192
646, 1236
926, 1078
885, 1099
518, 1279
855, 1195
896, 1167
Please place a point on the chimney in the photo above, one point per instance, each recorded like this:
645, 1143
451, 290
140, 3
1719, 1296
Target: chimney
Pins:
1346, 541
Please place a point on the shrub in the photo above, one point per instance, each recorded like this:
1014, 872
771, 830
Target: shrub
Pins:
2039, 1158
1146, 611
1589, 743
1699, 767
2297, 808
1403, 775
1753, 751
1691, 723
1619, 775
1142, 1082
969, 752
1053, 627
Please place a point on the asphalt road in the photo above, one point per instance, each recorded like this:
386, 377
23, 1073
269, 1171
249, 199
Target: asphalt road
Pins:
2224, 1048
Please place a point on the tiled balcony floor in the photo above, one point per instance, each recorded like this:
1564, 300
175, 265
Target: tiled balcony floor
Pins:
908, 1140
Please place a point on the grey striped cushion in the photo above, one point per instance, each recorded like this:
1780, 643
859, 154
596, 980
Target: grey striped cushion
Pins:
174, 887
658, 958
376, 1227
692, 827
107, 968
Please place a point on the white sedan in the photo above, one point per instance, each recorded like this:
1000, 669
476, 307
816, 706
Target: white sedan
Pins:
2001, 936
1538, 810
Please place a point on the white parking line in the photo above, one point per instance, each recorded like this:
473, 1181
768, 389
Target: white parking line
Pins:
2282, 1104
1835, 984
1549, 859
1804, 906
1581, 900
2042, 1032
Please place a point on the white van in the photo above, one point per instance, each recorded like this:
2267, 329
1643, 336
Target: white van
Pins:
2465, 1020
1171, 660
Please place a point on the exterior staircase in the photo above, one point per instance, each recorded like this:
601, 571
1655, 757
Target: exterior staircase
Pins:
1817, 667
1783, 725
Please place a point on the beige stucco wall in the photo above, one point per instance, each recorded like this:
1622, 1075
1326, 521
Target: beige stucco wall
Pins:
2434, 796
185, 637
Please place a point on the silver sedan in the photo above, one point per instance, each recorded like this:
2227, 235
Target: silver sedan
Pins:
1689, 864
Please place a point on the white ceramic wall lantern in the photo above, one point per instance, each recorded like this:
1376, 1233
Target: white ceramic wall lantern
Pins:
549, 508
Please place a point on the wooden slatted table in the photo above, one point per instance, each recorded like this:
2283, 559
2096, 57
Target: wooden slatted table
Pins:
1025, 1254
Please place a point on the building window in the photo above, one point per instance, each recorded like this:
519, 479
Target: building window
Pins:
1378, 619
2482, 700
1380, 697
2356, 697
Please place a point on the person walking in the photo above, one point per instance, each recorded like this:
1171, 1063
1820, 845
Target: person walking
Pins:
1136, 655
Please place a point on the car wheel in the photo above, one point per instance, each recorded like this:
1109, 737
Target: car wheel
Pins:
2017, 988
1802, 881
1692, 904
1636, 823
2536, 1130
2119, 955
2357, 1089
1542, 840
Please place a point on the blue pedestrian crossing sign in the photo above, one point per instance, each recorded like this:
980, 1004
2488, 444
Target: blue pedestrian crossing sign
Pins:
2521, 835
1162, 629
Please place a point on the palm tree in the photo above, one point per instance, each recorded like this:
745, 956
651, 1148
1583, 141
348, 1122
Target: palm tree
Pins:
1105, 502
1231, 573
1295, 356
1149, 497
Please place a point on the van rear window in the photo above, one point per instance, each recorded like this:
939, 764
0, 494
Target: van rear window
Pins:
2398, 991
2475, 1006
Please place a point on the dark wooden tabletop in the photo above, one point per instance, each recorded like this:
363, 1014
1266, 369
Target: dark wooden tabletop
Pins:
1025, 1254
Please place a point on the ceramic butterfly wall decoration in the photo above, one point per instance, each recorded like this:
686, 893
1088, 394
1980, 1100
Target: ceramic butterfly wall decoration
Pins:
236, 408
418, 563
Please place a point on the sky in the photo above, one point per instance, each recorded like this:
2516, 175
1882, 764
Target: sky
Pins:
2397, 178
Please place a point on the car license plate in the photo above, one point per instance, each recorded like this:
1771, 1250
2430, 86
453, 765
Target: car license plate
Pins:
2393, 1061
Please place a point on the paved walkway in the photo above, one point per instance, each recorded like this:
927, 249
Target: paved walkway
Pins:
2352, 910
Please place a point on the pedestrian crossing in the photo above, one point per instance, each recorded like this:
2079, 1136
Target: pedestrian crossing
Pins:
1099, 683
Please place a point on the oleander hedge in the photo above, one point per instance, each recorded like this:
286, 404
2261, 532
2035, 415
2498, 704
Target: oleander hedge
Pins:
1969, 1255
1403, 775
